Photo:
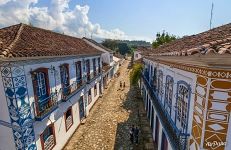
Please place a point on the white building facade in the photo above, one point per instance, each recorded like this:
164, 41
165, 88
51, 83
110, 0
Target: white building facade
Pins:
44, 98
186, 96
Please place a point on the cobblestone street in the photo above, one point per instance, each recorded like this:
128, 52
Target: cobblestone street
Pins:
107, 126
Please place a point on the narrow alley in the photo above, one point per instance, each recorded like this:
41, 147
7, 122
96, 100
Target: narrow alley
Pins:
107, 126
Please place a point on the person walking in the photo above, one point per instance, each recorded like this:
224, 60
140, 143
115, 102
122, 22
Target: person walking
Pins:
131, 133
136, 134
121, 85
124, 84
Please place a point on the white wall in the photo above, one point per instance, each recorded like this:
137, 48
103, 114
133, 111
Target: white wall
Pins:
59, 123
177, 75
137, 55
6, 133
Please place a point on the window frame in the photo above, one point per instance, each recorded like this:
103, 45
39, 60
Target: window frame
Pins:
53, 133
89, 95
78, 66
168, 96
99, 69
35, 84
94, 65
160, 83
65, 117
67, 67
95, 90
182, 107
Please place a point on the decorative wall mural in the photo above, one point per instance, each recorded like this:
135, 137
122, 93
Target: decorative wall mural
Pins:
199, 110
219, 107
14, 82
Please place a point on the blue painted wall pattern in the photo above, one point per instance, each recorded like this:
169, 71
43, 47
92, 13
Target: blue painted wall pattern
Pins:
14, 82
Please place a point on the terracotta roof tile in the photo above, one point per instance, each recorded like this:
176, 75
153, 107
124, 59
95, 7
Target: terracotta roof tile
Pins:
27, 41
217, 39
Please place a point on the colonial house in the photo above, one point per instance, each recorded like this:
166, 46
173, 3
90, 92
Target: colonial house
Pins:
49, 82
110, 62
186, 88
140, 51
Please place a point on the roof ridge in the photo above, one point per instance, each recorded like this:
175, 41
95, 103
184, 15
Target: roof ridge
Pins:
6, 52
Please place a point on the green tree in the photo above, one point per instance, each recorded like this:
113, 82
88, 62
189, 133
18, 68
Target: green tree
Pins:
111, 44
135, 74
162, 38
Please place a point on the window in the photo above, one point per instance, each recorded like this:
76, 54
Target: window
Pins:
182, 104
65, 79
48, 138
99, 69
94, 66
155, 78
41, 88
78, 72
160, 83
168, 93
88, 69
95, 90
111, 58
68, 119
89, 96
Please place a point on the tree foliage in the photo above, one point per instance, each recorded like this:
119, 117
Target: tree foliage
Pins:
123, 46
162, 38
135, 74
111, 44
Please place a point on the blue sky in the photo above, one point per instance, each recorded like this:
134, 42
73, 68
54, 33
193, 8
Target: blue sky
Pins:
127, 19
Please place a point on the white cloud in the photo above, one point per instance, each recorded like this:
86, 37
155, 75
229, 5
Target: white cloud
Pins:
58, 17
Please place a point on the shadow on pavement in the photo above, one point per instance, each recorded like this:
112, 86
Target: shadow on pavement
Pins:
133, 104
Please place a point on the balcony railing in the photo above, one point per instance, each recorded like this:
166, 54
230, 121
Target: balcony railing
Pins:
45, 106
177, 139
70, 90
92, 76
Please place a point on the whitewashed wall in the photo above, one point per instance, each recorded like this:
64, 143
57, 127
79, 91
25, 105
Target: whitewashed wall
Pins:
57, 117
6, 133
137, 55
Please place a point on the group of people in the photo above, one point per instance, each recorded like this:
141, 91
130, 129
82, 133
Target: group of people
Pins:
134, 134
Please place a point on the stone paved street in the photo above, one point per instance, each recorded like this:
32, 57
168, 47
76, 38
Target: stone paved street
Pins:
107, 126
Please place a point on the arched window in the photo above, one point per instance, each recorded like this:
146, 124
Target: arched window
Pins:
160, 83
183, 100
168, 94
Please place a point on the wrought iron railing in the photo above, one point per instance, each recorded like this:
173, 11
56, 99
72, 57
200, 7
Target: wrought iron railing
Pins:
92, 76
70, 90
177, 139
43, 107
